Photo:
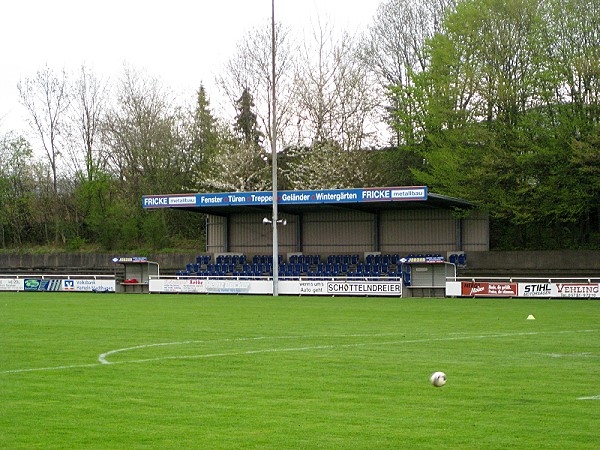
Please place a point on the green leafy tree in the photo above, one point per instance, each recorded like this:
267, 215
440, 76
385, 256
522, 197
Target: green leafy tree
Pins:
499, 120
16, 185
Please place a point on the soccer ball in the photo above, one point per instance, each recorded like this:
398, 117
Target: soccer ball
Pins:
438, 379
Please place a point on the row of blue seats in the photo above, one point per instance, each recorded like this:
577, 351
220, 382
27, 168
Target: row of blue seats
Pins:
321, 269
460, 259
305, 259
305, 264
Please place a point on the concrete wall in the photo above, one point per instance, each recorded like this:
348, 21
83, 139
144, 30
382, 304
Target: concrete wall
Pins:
541, 263
551, 263
82, 263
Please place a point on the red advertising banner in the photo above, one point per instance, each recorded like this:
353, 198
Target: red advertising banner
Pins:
486, 289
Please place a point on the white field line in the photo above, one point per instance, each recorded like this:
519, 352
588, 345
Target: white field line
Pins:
102, 357
568, 355
595, 397
41, 369
103, 361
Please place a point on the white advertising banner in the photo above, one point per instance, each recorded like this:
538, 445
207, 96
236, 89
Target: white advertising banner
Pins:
12, 284
560, 290
366, 288
297, 287
286, 287
205, 286
88, 285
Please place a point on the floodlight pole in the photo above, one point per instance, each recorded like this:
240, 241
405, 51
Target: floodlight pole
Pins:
274, 157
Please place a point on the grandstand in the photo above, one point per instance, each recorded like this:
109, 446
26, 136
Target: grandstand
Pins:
313, 267
376, 234
382, 221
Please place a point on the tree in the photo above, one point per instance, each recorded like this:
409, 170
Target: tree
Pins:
204, 133
238, 167
46, 99
140, 131
15, 189
147, 155
200, 136
327, 166
250, 69
87, 108
245, 121
393, 48
335, 97
490, 117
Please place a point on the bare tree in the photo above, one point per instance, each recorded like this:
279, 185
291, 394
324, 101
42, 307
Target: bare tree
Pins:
88, 105
333, 92
140, 133
393, 46
46, 99
250, 69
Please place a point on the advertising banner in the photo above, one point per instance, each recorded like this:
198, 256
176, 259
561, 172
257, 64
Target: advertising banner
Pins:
366, 288
204, 286
11, 284
415, 193
37, 284
65, 285
486, 289
560, 290
297, 287
522, 289
88, 285
289, 287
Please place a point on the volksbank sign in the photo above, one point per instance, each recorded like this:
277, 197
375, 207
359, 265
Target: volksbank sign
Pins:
330, 196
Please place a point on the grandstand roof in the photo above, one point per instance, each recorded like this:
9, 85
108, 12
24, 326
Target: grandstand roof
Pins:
295, 202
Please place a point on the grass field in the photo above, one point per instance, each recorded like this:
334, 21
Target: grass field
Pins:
110, 371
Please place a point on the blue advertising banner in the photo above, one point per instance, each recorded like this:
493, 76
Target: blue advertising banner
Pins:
330, 196
37, 284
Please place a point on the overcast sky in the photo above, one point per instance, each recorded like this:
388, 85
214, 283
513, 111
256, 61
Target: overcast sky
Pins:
180, 42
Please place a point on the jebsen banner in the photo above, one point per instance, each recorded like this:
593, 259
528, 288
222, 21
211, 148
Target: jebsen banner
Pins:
287, 197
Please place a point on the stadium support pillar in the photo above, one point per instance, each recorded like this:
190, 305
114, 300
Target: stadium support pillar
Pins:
274, 157
459, 233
